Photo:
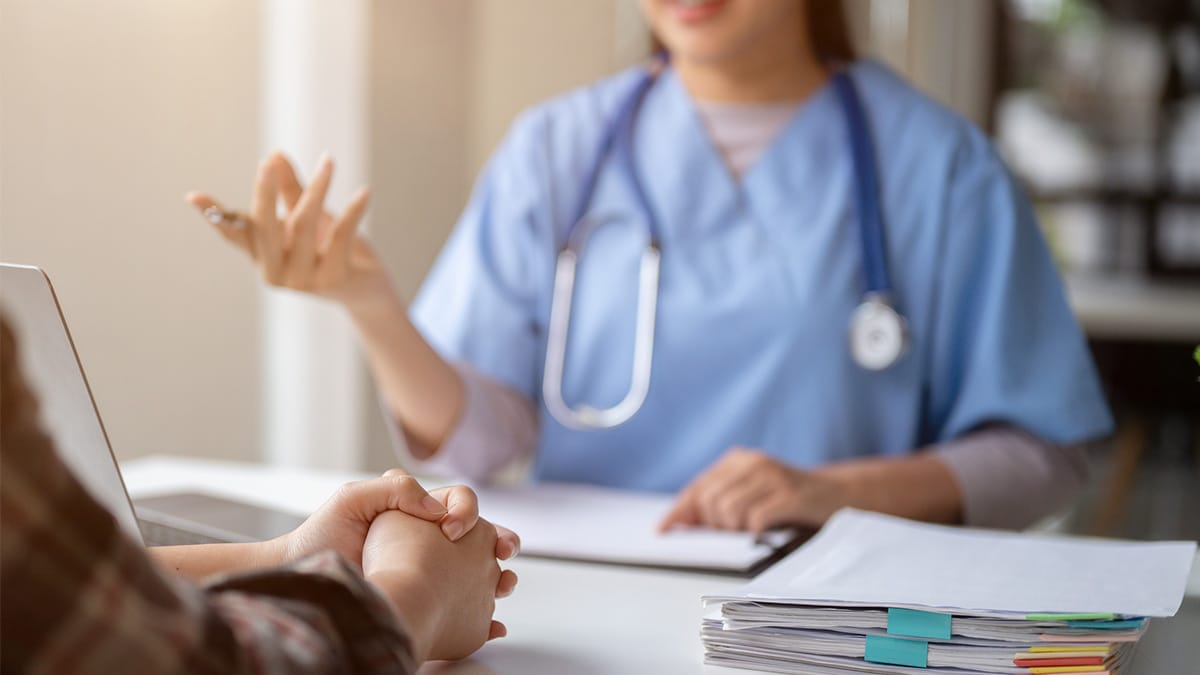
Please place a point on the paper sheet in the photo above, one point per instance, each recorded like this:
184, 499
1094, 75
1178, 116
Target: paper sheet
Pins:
862, 558
591, 523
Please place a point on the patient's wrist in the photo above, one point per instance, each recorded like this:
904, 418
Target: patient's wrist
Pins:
272, 552
414, 604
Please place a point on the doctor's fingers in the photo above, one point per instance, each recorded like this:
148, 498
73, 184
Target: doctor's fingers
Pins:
302, 225
290, 187
683, 512
730, 508
775, 511
335, 252
237, 233
727, 477
265, 228
462, 510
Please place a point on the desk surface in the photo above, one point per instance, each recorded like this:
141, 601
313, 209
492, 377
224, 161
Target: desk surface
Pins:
570, 617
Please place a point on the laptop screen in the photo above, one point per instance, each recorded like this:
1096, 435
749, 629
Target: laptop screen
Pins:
68, 414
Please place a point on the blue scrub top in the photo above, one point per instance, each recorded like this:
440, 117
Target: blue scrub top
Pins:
759, 278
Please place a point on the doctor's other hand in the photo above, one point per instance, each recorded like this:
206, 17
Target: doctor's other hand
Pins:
343, 521
309, 249
445, 592
746, 489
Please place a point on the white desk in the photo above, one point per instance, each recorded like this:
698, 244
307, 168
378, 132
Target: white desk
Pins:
571, 617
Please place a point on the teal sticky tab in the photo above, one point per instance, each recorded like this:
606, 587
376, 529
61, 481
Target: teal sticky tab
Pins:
1107, 625
897, 651
916, 623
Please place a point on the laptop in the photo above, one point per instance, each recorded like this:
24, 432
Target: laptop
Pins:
69, 414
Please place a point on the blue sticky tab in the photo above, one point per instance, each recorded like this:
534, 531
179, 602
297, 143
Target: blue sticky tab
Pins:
915, 623
897, 651
1107, 625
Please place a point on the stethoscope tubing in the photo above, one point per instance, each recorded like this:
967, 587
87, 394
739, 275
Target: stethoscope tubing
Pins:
878, 333
870, 217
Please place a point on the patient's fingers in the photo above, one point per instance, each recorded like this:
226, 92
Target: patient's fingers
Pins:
462, 506
507, 584
508, 544
368, 498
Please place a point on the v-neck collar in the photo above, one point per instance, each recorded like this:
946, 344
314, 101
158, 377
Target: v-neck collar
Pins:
686, 179
688, 183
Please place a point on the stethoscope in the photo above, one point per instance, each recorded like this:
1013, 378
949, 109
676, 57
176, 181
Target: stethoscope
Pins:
878, 333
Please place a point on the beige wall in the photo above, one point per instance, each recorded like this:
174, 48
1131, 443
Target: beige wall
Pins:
529, 50
420, 55
448, 78
110, 112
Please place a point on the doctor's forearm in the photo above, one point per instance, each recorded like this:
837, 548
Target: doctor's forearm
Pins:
422, 390
918, 486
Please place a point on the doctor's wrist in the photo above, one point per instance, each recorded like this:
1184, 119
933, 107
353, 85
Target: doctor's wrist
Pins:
373, 299
917, 486
848, 485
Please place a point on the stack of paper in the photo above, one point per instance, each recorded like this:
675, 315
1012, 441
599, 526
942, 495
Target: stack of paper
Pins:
877, 594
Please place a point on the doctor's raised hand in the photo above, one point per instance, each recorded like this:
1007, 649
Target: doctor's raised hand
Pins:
312, 250
309, 249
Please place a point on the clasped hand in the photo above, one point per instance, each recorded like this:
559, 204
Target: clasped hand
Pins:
430, 554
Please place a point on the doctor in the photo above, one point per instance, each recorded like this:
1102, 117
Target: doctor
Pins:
757, 273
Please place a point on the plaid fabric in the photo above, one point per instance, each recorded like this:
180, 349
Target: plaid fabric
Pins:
78, 596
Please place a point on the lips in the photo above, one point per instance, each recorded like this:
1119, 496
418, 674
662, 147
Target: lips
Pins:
695, 11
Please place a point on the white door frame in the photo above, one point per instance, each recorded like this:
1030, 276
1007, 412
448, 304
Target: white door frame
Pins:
314, 100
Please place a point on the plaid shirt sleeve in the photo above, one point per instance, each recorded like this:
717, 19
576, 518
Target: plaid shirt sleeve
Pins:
81, 597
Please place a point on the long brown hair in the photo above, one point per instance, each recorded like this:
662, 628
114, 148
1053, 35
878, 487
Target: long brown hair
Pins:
828, 32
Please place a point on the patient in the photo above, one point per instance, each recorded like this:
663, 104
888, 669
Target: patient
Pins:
382, 577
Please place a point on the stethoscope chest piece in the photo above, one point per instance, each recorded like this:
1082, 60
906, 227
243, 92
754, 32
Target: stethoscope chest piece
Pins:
878, 334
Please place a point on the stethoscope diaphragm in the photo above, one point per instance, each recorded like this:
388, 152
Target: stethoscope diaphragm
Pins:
878, 334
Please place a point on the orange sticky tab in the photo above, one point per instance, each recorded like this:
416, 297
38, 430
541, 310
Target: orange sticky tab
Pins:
1068, 661
1062, 654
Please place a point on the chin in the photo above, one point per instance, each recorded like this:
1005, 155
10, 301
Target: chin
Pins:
710, 31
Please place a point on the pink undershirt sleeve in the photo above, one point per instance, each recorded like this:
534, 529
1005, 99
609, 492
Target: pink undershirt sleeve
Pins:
497, 427
1009, 478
